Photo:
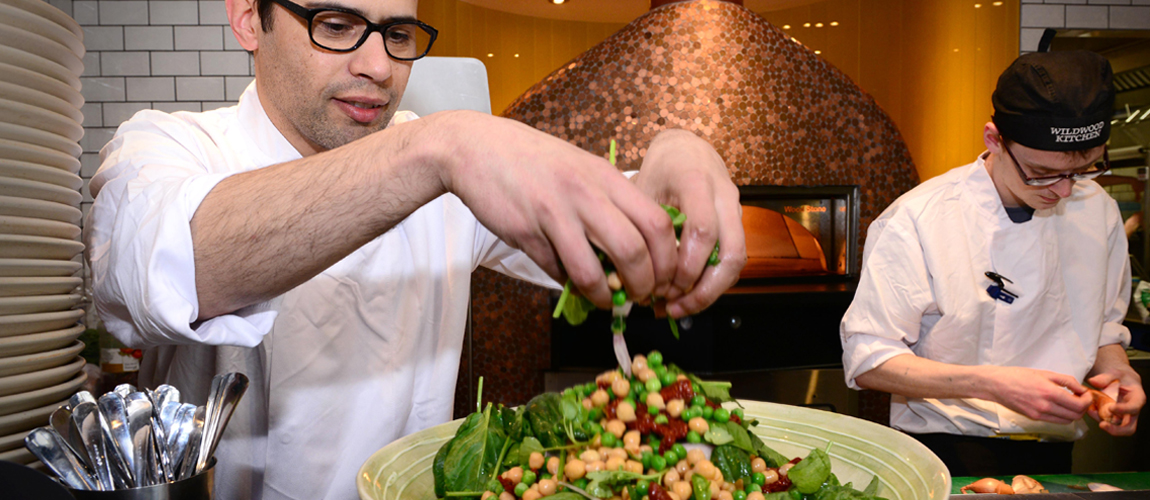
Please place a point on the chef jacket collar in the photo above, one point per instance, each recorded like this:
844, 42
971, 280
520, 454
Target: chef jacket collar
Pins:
981, 188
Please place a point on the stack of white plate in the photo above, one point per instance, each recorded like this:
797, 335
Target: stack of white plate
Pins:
40, 284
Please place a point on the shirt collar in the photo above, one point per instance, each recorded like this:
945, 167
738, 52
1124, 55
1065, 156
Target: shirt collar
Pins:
267, 139
981, 187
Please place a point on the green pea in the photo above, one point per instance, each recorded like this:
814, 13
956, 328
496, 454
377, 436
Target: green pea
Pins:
680, 450
653, 441
590, 388
738, 412
595, 414
696, 389
581, 483
667, 379
641, 488
646, 459
708, 412
594, 428
520, 489
740, 495
698, 400
619, 297
660, 371
759, 478
528, 478
671, 456
495, 486
655, 359
653, 384
652, 410
660, 419
658, 462
609, 440
722, 415
694, 437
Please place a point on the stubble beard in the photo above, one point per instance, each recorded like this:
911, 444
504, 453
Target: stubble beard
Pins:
329, 129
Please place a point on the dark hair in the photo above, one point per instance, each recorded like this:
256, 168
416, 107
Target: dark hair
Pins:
264, 9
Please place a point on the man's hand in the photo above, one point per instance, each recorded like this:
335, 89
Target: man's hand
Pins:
552, 200
684, 171
1131, 398
1039, 394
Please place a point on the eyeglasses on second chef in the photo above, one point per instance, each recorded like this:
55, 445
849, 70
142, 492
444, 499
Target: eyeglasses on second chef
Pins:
1095, 170
343, 30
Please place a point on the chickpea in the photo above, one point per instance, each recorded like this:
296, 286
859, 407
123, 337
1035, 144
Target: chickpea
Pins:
714, 487
680, 377
621, 387
599, 398
675, 407
705, 468
647, 448
619, 453
531, 494
673, 495
771, 475
758, 465
552, 466
613, 281
616, 426
785, 468
655, 400
681, 488
717, 476
486, 495
639, 364
687, 475
625, 412
645, 375
506, 496
634, 466
728, 486
595, 466
726, 495
611, 376
631, 440
575, 469
694, 456
590, 456
614, 463
515, 474
699, 425
547, 487
587, 404
535, 461
755, 495
682, 467
670, 478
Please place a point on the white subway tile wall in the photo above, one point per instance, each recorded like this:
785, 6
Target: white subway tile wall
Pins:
169, 55
1037, 15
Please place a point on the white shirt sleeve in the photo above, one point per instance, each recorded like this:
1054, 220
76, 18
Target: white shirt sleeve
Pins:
154, 175
885, 317
1117, 283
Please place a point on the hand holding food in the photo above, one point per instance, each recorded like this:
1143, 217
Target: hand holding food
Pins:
1039, 394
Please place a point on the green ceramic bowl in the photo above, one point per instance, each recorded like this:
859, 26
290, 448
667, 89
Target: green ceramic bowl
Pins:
861, 450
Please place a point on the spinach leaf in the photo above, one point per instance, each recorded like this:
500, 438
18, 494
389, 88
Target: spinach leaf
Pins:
810, 474
572, 306
773, 458
546, 413
437, 469
566, 495
718, 435
604, 483
732, 462
701, 486
527, 447
719, 392
778, 495
472, 456
872, 488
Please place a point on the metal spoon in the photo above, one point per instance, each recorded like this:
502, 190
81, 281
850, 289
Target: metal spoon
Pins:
80, 397
178, 434
61, 421
87, 419
120, 453
195, 439
50, 448
163, 394
139, 409
221, 407
124, 390
162, 420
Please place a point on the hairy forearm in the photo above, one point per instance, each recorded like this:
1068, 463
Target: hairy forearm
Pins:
1111, 358
914, 377
261, 233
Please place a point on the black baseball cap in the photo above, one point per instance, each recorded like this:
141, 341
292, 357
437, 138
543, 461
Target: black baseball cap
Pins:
1056, 101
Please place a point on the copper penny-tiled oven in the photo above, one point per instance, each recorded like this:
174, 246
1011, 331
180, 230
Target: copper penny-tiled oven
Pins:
816, 160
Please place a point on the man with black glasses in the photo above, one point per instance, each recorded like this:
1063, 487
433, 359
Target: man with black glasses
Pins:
990, 294
319, 242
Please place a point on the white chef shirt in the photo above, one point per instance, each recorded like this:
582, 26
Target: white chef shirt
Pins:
922, 291
360, 355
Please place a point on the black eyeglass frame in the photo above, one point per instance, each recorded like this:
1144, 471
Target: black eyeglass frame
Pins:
1050, 180
309, 14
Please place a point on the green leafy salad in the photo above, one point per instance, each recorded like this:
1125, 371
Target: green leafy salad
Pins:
660, 434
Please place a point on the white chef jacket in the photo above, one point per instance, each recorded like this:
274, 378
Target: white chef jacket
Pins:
922, 291
356, 357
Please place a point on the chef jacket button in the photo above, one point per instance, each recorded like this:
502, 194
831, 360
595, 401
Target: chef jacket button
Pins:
285, 439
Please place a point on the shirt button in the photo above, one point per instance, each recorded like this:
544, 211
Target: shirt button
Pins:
285, 439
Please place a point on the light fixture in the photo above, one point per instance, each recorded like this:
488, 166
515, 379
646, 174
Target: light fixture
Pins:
786, 26
558, 2
806, 25
978, 6
818, 52
489, 54
997, 4
818, 25
834, 23
516, 55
